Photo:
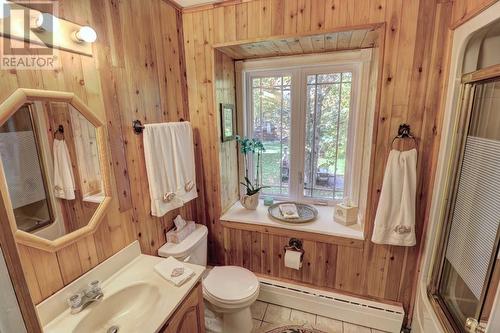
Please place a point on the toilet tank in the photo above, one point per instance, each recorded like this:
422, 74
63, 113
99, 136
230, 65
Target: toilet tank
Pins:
193, 249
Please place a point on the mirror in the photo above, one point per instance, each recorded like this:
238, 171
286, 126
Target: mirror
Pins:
52, 163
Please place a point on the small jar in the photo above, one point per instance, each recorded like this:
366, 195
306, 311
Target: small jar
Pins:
268, 201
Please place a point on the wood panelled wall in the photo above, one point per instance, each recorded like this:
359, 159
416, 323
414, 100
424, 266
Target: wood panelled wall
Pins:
225, 86
225, 93
136, 72
411, 83
464, 10
329, 262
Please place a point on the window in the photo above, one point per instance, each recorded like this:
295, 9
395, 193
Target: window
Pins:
271, 106
307, 117
328, 106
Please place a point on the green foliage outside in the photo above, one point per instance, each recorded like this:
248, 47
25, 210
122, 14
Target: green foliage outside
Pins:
328, 105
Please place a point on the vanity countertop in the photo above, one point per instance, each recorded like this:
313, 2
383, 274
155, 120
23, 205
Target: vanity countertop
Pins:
136, 281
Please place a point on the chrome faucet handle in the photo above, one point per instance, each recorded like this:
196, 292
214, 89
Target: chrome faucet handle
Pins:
75, 301
83, 298
94, 288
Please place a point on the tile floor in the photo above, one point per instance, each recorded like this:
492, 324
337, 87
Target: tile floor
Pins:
268, 314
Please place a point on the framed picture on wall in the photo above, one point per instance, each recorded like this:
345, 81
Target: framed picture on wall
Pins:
227, 123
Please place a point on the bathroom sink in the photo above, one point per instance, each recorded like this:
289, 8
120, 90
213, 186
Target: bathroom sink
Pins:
136, 298
121, 311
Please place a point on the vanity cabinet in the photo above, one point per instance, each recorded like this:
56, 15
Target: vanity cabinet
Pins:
190, 316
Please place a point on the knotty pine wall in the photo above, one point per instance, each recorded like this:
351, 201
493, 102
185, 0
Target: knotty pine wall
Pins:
463, 10
225, 93
136, 72
411, 85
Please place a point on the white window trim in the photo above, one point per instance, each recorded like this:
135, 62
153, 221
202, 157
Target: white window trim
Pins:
357, 61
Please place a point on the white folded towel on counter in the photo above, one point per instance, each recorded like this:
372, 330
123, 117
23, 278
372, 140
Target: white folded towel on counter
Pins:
64, 181
169, 157
174, 271
289, 211
395, 218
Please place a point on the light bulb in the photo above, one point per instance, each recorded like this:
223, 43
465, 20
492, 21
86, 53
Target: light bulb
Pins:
36, 20
85, 34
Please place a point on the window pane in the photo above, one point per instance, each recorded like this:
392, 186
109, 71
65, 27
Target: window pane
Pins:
271, 101
328, 78
327, 117
346, 77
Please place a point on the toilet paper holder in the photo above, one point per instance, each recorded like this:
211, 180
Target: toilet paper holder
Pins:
295, 244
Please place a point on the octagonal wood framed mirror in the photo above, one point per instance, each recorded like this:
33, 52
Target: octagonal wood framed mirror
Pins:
54, 175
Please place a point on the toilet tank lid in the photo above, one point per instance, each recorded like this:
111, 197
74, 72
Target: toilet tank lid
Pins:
185, 247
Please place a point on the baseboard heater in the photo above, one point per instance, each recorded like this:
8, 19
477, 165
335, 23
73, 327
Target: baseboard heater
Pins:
380, 316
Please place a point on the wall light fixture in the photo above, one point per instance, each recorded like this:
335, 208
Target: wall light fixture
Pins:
85, 35
36, 20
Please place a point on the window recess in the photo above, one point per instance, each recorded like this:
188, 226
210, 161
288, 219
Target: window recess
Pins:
314, 117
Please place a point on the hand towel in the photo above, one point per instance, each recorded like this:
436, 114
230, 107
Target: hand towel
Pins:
289, 211
182, 139
169, 157
64, 181
174, 271
395, 218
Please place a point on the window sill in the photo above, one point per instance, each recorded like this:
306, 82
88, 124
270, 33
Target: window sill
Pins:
324, 224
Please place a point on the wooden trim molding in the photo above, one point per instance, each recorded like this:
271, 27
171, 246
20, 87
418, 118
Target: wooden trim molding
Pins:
174, 5
482, 74
220, 3
470, 12
7, 109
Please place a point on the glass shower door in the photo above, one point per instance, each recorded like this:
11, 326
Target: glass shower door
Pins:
471, 249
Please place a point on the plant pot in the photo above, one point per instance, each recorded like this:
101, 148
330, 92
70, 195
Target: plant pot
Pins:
250, 201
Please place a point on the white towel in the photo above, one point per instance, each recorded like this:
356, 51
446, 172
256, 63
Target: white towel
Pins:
169, 156
167, 266
64, 182
395, 219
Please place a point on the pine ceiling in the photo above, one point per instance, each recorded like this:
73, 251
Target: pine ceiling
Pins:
326, 42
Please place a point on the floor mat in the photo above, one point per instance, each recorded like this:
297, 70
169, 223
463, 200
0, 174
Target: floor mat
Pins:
288, 329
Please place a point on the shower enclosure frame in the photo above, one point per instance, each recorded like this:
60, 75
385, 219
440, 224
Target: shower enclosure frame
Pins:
464, 108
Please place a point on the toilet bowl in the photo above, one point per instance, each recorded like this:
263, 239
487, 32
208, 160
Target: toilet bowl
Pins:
228, 290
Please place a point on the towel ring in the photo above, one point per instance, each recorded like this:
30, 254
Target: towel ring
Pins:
404, 133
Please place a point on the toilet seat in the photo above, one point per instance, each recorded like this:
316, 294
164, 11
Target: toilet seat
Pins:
230, 286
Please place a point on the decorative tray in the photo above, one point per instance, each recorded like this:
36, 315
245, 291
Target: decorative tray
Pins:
307, 213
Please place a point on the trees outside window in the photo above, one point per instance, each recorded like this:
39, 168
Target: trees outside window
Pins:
303, 117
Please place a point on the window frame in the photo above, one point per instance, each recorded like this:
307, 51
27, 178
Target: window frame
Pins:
358, 62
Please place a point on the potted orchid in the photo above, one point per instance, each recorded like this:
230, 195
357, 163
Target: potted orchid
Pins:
250, 200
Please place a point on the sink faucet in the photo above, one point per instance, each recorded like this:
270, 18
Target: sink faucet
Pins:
80, 300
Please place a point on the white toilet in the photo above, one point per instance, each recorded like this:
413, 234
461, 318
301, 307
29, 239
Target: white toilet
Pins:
228, 290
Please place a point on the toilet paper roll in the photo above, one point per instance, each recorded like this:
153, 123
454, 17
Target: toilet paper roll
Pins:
292, 259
